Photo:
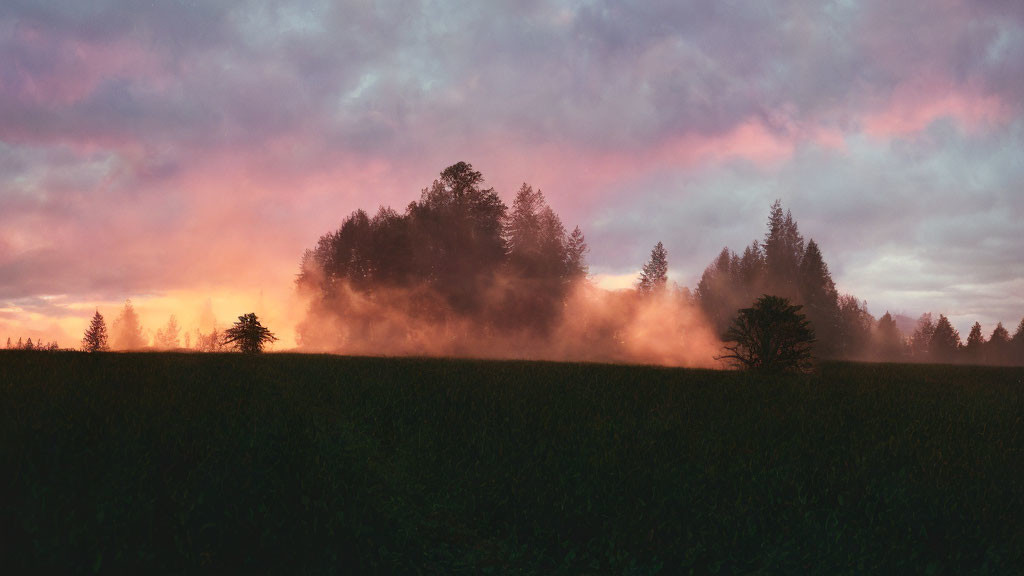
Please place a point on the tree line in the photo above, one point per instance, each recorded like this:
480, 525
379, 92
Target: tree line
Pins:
247, 335
460, 252
456, 252
783, 265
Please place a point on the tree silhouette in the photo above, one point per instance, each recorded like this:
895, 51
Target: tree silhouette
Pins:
920, 341
1018, 343
821, 299
975, 344
998, 349
248, 335
654, 276
127, 331
575, 256
783, 251
95, 339
771, 336
889, 341
167, 337
945, 341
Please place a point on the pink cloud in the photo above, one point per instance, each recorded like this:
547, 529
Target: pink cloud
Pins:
913, 106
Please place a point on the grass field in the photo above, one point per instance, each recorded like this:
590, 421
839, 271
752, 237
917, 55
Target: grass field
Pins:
314, 464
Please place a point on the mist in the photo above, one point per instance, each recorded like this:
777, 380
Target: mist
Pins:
592, 325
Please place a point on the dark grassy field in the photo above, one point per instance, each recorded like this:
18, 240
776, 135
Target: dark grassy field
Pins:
314, 464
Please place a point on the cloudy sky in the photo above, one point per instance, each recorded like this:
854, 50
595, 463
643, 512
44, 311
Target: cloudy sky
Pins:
183, 154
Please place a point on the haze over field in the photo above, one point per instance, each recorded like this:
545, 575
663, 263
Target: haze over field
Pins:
185, 156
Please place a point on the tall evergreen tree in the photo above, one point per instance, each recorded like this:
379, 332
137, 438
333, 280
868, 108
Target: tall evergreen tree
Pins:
8, 342
654, 276
167, 337
854, 327
920, 341
127, 331
975, 344
575, 256
783, 250
998, 349
945, 341
888, 340
820, 298
95, 339
1018, 344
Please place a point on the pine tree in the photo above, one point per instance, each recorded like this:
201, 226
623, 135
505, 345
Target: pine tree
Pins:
920, 341
889, 341
654, 276
127, 331
945, 341
975, 344
167, 337
575, 256
248, 335
8, 342
783, 250
820, 298
29, 345
1016, 348
999, 349
95, 339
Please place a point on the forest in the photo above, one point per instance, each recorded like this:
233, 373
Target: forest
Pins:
460, 272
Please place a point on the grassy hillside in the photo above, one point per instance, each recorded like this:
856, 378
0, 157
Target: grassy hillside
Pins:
317, 464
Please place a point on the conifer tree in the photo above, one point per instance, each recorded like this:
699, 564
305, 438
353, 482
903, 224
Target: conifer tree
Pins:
922, 337
654, 276
575, 255
975, 344
167, 337
127, 331
945, 341
248, 335
889, 341
95, 339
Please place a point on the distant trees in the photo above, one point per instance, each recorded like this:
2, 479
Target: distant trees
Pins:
783, 265
975, 345
95, 339
210, 342
945, 341
783, 252
167, 337
920, 341
771, 336
457, 252
248, 335
654, 276
1017, 348
889, 341
999, 349
127, 331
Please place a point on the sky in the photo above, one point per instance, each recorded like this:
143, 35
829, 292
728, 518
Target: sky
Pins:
184, 154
